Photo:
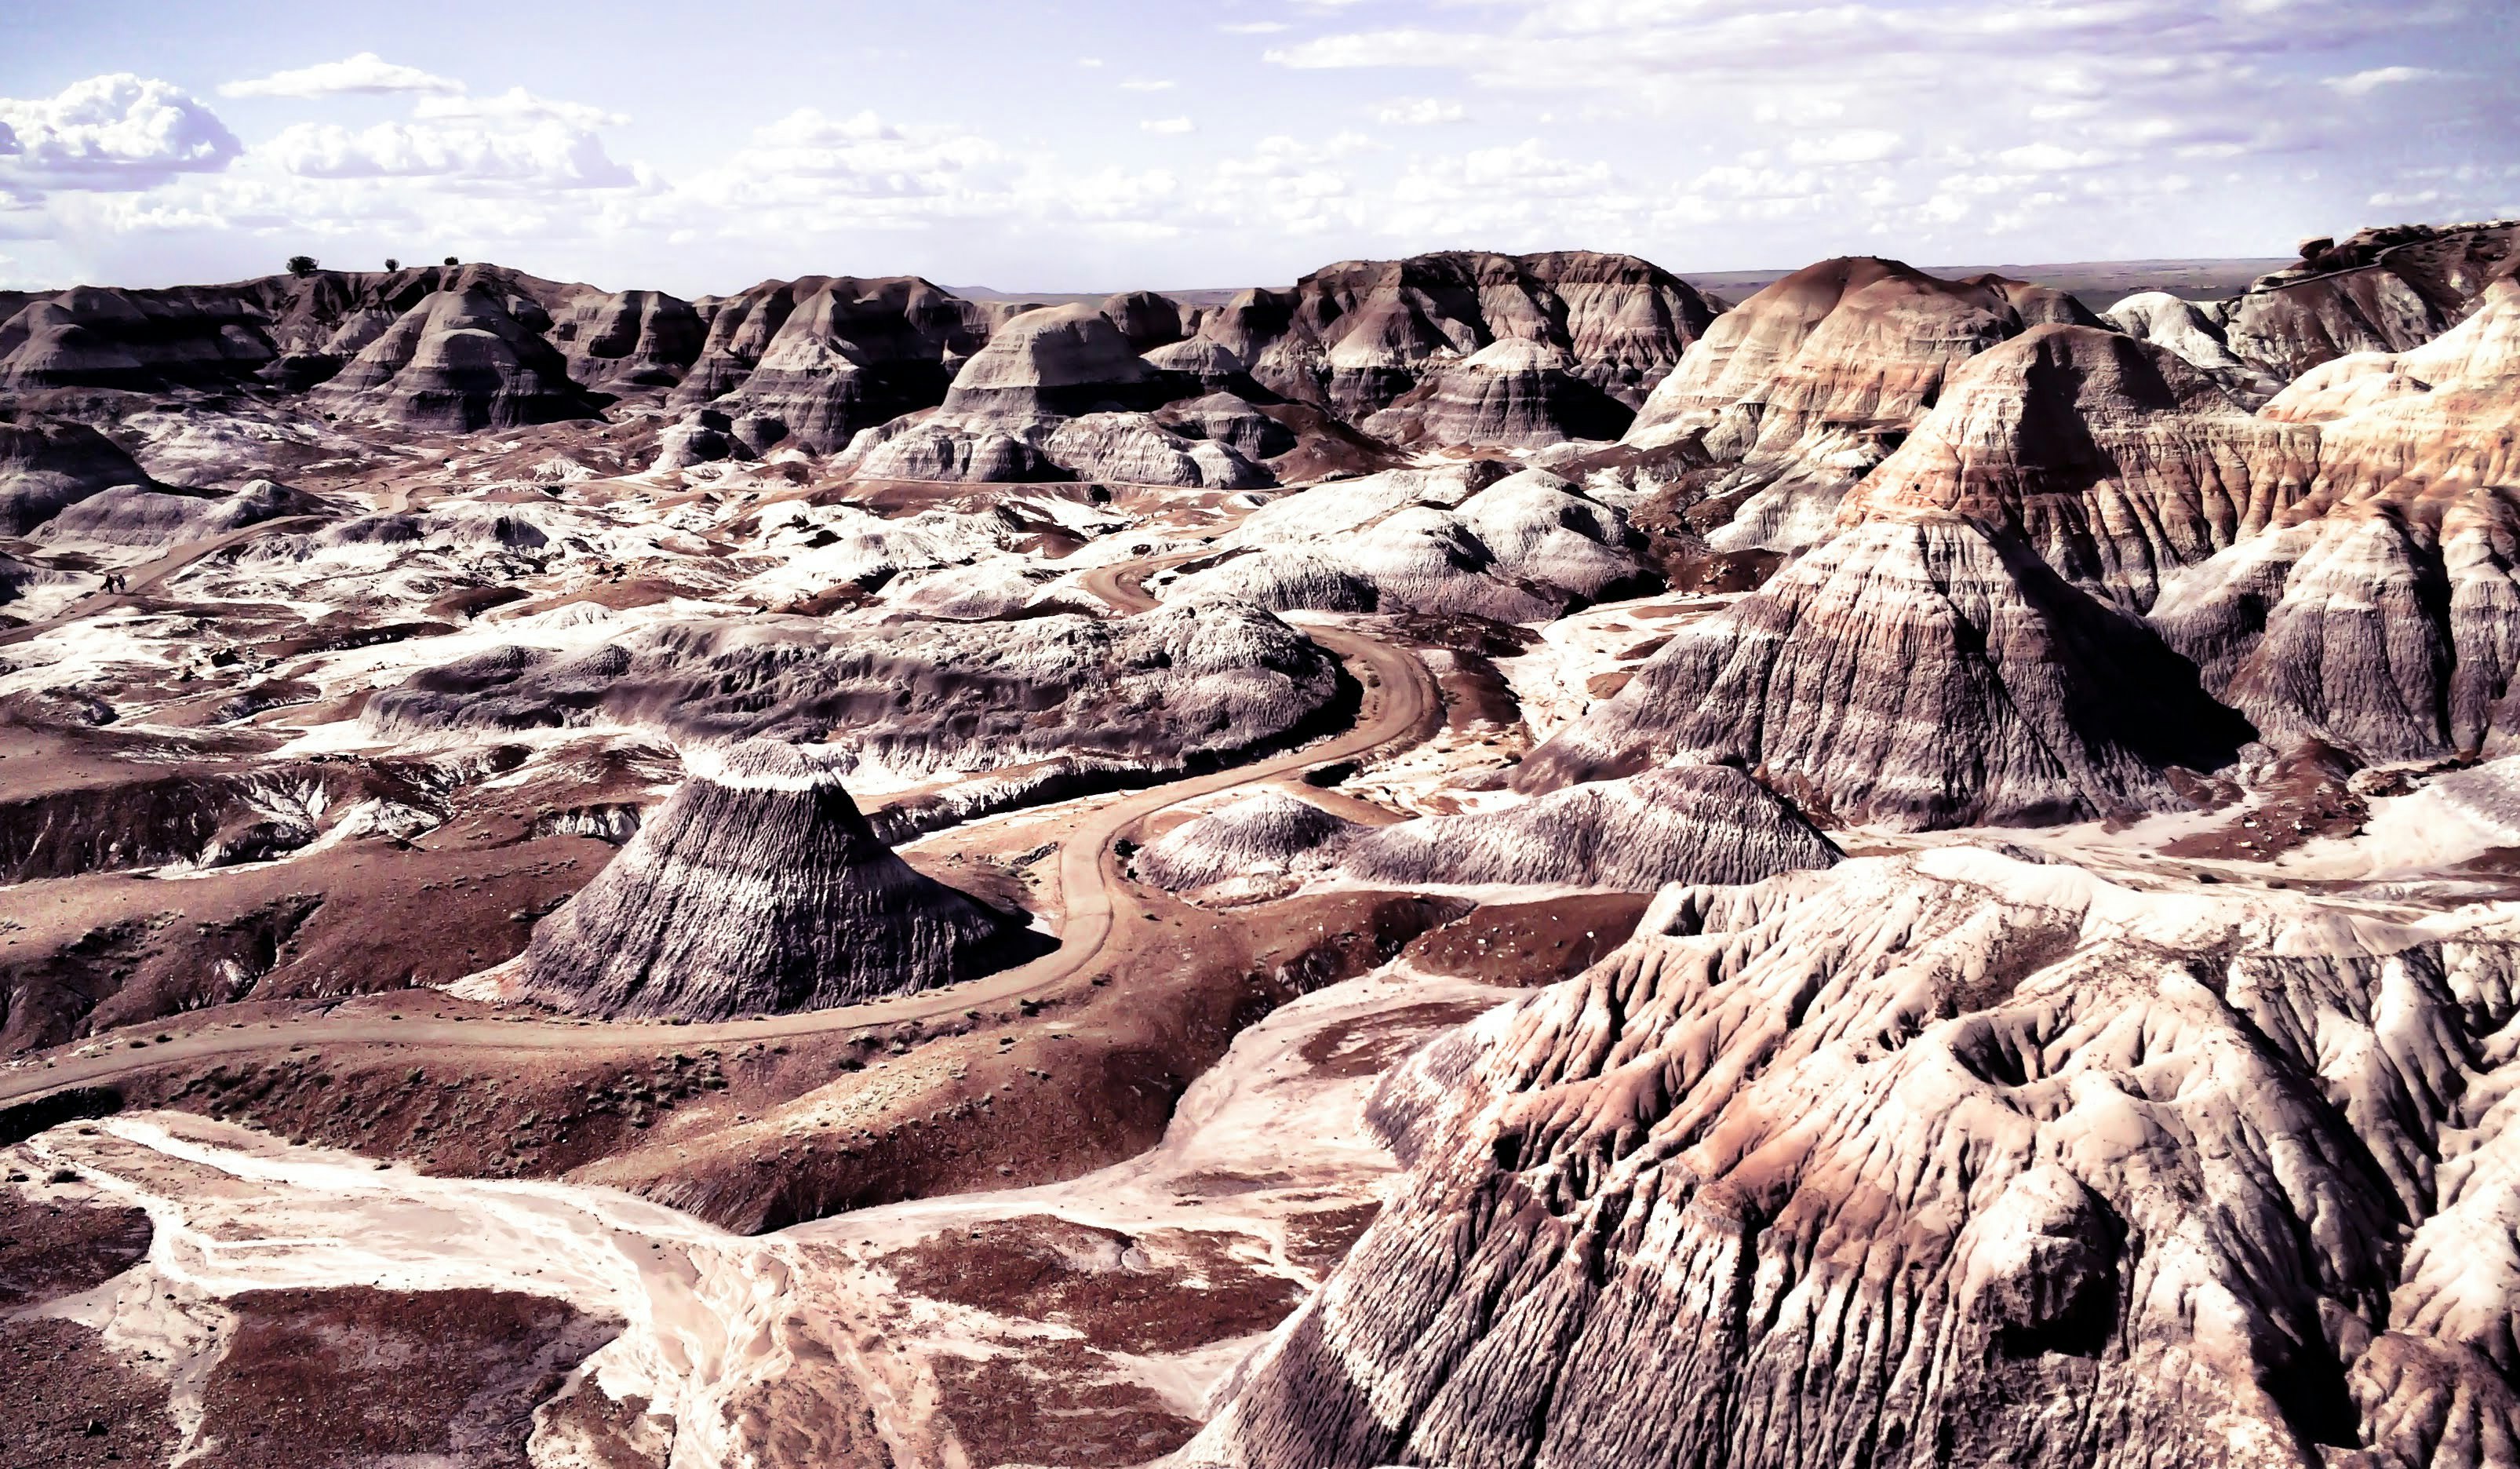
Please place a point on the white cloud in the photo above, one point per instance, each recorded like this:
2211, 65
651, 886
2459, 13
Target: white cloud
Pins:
1417, 112
364, 73
1860, 145
114, 132
1136, 84
1253, 28
1089, 62
517, 105
1168, 127
548, 153
2364, 83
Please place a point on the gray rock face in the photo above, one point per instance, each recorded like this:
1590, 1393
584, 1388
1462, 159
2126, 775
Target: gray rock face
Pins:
1147, 319
1918, 672
1183, 684
1469, 538
1358, 335
758, 888
1684, 823
1946, 1158
2197, 336
94, 336
1055, 362
629, 340
825, 358
1810, 384
458, 361
2385, 290
47, 464
132, 515
1226, 419
1514, 393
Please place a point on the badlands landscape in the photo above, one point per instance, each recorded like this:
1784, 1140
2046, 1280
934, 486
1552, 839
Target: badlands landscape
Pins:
1483, 860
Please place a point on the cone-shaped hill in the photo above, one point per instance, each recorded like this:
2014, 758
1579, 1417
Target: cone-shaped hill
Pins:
758, 887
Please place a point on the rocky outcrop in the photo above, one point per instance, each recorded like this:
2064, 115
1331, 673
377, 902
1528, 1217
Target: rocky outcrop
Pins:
817, 360
2386, 289
1231, 421
1807, 386
1358, 335
1943, 1155
2385, 617
758, 888
458, 361
2196, 334
1921, 670
629, 340
2115, 460
1474, 539
1055, 362
1512, 393
47, 464
1147, 320
1684, 823
94, 336
1194, 683
132, 515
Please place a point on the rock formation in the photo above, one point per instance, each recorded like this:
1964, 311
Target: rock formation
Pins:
1811, 381
1947, 1156
758, 888
133, 515
1919, 671
2197, 336
1147, 320
2385, 617
1512, 393
1231, 421
818, 359
458, 361
629, 340
2117, 461
2383, 290
1684, 823
1191, 683
1472, 537
47, 464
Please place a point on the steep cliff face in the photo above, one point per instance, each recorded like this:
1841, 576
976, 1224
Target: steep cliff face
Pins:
629, 340
818, 359
758, 888
2114, 459
2385, 617
1941, 1159
1808, 385
2383, 290
1921, 670
1358, 335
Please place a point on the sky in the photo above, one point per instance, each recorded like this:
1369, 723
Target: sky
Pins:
1096, 145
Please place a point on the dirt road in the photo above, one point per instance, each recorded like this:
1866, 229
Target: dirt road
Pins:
1101, 927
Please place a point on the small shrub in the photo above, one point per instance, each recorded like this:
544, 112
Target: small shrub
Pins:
392, 264
302, 264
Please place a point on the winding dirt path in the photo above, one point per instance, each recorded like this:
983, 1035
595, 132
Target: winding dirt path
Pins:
1101, 927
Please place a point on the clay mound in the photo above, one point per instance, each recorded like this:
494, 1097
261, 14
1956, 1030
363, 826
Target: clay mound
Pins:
2196, 334
1196, 683
1919, 671
758, 888
459, 361
1212, 365
1055, 362
2385, 617
1269, 830
1469, 538
2114, 459
822, 358
1838, 1161
17, 576
1357, 336
1147, 319
2387, 290
1811, 381
1230, 420
931, 447
1514, 393
130, 515
48, 464
629, 340
92, 337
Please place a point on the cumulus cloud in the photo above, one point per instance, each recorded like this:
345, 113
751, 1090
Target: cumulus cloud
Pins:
548, 153
1253, 28
1141, 84
366, 73
1167, 126
517, 105
1860, 145
1417, 112
114, 132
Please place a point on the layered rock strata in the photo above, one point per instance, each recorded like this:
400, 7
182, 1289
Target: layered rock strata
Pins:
48, 464
629, 340
758, 888
1944, 1156
458, 361
2386, 289
815, 362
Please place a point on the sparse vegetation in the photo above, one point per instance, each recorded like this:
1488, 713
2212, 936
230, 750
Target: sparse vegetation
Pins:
451, 260
392, 264
301, 265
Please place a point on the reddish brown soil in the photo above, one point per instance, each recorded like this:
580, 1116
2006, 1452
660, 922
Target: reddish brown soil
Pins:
1530, 943
343, 1379
73, 1403
2302, 798
50, 1248
1059, 1405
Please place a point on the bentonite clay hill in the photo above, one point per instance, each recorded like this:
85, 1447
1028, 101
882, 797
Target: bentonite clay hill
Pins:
1485, 859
